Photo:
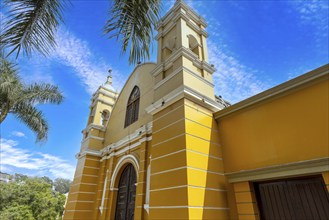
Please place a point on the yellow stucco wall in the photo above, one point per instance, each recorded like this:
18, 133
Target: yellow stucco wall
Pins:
187, 165
190, 155
142, 78
288, 129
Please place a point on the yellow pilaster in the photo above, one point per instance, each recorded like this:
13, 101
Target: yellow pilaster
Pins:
187, 176
246, 201
81, 200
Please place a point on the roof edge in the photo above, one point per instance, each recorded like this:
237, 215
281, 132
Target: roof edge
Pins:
305, 80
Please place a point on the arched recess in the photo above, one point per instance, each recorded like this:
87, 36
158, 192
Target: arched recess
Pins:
122, 163
193, 44
105, 115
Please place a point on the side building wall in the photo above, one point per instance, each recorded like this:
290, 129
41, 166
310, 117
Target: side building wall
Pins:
281, 133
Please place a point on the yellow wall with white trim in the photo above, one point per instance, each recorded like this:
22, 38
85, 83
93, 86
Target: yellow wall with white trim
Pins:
190, 154
289, 129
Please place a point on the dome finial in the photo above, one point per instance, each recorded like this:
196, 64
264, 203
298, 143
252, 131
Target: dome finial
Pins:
109, 77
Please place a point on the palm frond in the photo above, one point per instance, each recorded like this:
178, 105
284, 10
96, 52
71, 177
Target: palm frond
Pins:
31, 25
33, 118
43, 93
132, 22
10, 82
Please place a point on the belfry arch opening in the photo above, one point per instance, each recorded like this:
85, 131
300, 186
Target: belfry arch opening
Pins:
193, 44
105, 115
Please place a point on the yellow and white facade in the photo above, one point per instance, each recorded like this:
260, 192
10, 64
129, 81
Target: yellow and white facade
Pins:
193, 156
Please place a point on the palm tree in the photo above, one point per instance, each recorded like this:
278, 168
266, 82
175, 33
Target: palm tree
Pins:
21, 100
30, 25
132, 22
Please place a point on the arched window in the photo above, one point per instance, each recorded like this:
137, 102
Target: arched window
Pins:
132, 107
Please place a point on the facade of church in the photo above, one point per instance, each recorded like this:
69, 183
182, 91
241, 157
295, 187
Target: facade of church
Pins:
166, 147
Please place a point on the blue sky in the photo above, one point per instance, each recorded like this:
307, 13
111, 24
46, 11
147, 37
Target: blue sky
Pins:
254, 46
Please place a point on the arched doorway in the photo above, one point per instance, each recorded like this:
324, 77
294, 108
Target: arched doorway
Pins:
126, 194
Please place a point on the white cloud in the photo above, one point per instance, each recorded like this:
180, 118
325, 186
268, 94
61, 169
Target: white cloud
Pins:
315, 13
18, 134
13, 157
76, 54
233, 81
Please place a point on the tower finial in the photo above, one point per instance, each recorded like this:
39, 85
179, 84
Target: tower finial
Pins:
109, 77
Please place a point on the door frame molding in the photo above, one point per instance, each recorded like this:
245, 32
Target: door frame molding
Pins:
119, 167
315, 166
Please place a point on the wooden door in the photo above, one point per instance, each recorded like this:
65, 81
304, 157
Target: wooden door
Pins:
302, 198
126, 194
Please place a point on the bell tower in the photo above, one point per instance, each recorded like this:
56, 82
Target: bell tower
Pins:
187, 176
102, 103
182, 53
84, 188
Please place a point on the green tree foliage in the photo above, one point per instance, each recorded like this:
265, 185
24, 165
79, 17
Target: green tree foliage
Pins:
47, 180
21, 100
30, 198
62, 185
17, 212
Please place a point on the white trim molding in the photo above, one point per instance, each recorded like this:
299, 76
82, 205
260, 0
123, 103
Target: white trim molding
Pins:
94, 126
90, 152
92, 137
186, 70
101, 101
306, 167
124, 160
143, 130
187, 53
183, 92
187, 13
101, 207
125, 149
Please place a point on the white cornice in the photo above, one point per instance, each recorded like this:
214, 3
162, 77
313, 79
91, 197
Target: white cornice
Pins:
101, 101
110, 94
178, 70
125, 149
114, 149
94, 126
107, 90
183, 51
187, 53
188, 21
145, 129
92, 137
88, 152
283, 170
204, 66
183, 92
189, 11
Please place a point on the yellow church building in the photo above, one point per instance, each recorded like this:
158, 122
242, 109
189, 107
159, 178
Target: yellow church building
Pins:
166, 147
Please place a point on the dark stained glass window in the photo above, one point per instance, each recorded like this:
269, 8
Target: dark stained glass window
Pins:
132, 107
